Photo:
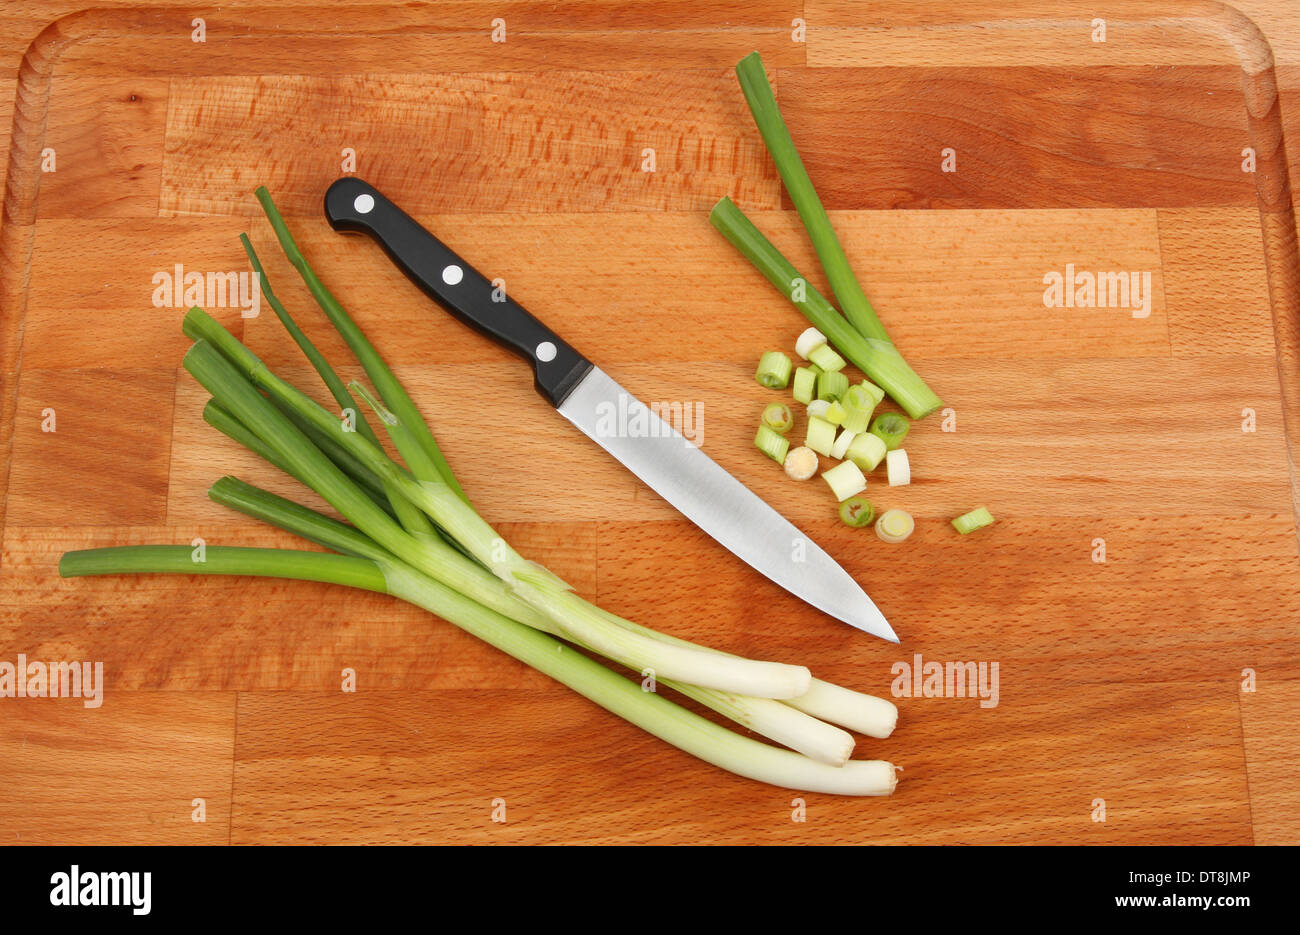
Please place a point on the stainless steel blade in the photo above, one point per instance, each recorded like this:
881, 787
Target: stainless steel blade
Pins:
716, 502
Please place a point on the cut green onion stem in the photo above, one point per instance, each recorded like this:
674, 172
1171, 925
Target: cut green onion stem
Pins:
801, 463
774, 370
835, 413
831, 385
772, 444
857, 512
842, 443
819, 408
858, 406
825, 358
778, 418
866, 451
809, 341
876, 357
891, 428
977, 518
846, 480
805, 384
821, 435
899, 469
895, 525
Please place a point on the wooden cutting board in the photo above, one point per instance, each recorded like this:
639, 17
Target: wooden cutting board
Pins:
1157, 689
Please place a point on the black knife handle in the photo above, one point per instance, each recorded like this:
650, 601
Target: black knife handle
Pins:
354, 205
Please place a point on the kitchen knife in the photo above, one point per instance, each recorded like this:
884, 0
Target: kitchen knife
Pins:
656, 453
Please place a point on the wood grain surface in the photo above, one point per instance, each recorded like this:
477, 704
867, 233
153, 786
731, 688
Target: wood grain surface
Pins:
1160, 687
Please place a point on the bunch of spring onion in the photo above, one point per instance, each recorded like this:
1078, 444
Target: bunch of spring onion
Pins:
411, 532
858, 333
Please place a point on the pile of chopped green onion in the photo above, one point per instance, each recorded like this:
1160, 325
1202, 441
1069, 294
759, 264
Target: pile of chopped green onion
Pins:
411, 532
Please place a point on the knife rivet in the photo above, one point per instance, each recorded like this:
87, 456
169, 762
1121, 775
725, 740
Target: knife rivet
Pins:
364, 203
546, 351
452, 274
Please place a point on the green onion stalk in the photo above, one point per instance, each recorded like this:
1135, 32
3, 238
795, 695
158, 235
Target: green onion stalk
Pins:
649, 711
916, 397
876, 357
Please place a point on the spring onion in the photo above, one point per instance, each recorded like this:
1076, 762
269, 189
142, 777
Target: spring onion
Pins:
866, 451
857, 309
835, 413
772, 443
809, 341
841, 446
818, 408
891, 428
895, 525
805, 384
826, 358
831, 385
650, 711
845, 479
977, 518
876, 357
801, 463
778, 418
898, 468
821, 435
857, 512
774, 370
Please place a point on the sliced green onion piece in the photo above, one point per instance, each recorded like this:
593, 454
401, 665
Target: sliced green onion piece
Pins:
805, 384
821, 435
774, 370
846, 480
866, 451
818, 408
808, 342
857, 512
826, 358
772, 444
892, 429
977, 518
835, 413
900, 470
877, 394
801, 463
858, 406
831, 385
895, 525
841, 446
778, 418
